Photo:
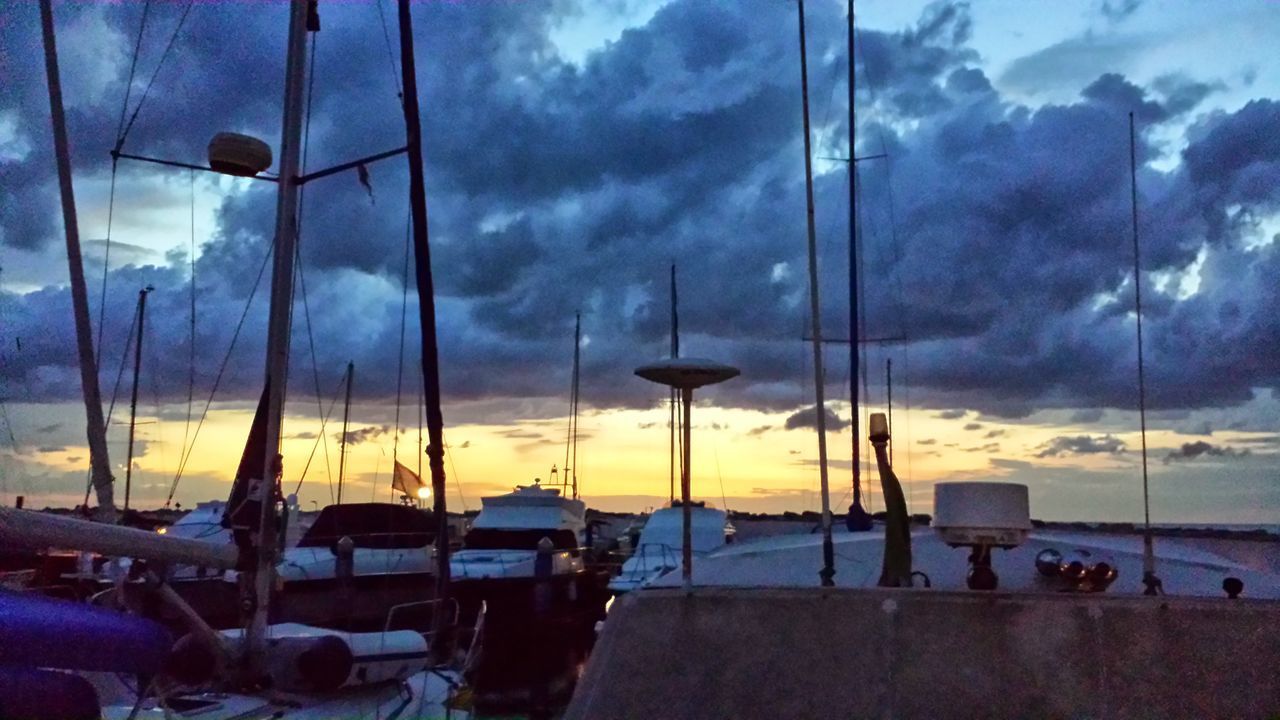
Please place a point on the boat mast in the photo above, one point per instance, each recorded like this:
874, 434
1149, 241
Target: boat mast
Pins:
426, 305
280, 319
1148, 552
858, 517
346, 416
133, 402
99, 463
577, 346
675, 353
827, 574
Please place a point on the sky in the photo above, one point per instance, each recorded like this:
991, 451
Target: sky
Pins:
575, 150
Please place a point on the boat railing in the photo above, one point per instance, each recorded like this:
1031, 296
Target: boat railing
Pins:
449, 605
504, 560
655, 556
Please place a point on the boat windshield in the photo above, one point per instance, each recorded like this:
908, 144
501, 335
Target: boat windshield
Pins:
494, 539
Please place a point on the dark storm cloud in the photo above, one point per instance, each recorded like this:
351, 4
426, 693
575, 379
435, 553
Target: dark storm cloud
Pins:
1117, 10
1200, 448
364, 434
1081, 445
556, 188
807, 419
973, 426
1087, 416
951, 414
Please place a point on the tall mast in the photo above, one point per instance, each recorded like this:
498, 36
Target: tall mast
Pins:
888, 392
346, 417
675, 353
828, 572
577, 347
426, 302
133, 401
1148, 552
280, 317
97, 429
858, 517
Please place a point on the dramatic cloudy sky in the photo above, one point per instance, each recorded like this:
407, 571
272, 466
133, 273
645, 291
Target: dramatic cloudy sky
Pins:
575, 149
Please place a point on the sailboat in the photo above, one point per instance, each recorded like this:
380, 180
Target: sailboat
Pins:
311, 672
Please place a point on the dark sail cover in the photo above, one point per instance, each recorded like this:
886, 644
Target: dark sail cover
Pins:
255, 449
371, 525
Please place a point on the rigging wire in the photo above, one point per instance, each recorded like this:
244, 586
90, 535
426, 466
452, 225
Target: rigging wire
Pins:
454, 471
391, 56
111, 195
302, 282
147, 90
321, 437
191, 349
315, 373
115, 392
217, 381
404, 309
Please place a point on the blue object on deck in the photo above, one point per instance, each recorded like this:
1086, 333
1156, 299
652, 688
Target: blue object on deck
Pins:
41, 632
27, 694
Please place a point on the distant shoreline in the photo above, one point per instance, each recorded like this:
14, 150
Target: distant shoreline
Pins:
1260, 532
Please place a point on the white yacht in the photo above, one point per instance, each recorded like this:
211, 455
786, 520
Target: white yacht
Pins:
504, 540
658, 551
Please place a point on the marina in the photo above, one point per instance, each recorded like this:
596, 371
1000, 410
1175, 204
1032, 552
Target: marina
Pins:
1033, 473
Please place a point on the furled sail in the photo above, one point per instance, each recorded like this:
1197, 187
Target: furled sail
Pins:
243, 513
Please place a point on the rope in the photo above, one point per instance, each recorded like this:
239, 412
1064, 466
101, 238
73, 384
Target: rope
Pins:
217, 381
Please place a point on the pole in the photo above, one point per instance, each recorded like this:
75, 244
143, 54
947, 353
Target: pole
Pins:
97, 429
1148, 552
827, 574
279, 324
426, 305
346, 417
675, 353
133, 402
686, 512
888, 391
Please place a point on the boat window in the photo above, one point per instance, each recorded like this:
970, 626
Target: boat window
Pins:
492, 539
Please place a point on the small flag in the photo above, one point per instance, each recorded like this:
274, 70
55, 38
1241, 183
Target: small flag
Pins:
362, 173
408, 482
